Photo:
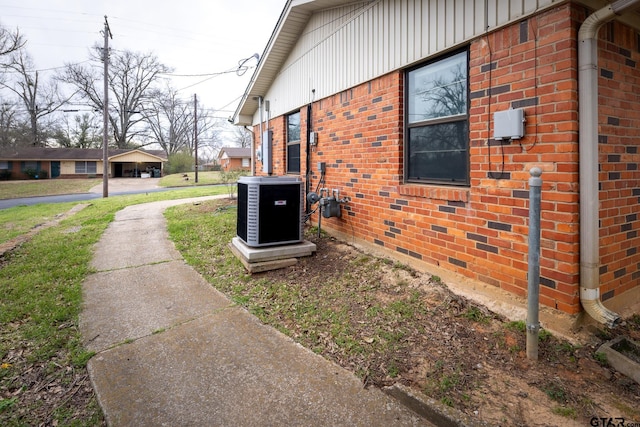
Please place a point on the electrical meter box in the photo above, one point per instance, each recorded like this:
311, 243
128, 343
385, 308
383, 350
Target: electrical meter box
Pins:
270, 210
508, 124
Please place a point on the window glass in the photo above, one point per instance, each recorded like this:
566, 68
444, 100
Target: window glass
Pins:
293, 127
293, 143
30, 164
437, 122
293, 158
438, 89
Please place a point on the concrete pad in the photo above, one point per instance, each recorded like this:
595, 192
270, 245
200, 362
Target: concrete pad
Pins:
269, 253
127, 304
258, 267
226, 369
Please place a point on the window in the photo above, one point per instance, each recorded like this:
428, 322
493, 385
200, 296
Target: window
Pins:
86, 167
29, 165
245, 162
437, 129
293, 143
4, 164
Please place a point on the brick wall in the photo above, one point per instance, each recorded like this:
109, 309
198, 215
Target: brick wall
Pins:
233, 163
619, 177
481, 231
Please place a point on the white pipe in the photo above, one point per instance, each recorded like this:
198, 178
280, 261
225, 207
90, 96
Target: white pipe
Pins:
261, 131
588, 139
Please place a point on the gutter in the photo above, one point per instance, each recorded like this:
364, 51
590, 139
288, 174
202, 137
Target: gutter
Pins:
588, 140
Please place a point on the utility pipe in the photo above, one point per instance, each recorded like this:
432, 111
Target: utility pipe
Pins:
261, 130
253, 151
533, 276
588, 140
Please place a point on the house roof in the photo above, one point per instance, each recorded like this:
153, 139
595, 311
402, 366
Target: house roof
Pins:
235, 152
37, 153
291, 24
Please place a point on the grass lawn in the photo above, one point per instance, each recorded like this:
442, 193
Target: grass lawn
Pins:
45, 187
51, 187
376, 317
20, 219
43, 376
178, 180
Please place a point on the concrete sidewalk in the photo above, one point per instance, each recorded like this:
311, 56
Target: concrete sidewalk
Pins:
172, 351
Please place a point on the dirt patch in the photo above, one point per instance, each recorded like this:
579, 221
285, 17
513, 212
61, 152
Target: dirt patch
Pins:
407, 327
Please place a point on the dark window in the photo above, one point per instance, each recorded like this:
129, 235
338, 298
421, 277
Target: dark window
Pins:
437, 133
293, 143
30, 165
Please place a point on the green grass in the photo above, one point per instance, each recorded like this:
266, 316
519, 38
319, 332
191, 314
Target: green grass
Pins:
20, 219
311, 313
474, 314
45, 187
565, 411
51, 187
41, 283
177, 179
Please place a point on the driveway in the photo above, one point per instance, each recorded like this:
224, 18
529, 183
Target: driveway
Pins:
123, 185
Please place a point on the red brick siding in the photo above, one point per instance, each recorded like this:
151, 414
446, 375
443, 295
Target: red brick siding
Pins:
619, 158
233, 164
481, 231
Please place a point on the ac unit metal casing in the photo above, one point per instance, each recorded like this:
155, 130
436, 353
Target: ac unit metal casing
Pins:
270, 210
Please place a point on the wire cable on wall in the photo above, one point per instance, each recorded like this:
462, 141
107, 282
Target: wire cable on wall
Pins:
535, 87
492, 174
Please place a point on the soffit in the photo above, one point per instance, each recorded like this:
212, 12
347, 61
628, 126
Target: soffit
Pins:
291, 24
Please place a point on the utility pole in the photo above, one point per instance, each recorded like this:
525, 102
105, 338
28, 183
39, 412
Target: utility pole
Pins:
195, 130
105, 111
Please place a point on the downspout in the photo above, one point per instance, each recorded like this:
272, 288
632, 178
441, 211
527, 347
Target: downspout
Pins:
261, 131
253, 151
588, 140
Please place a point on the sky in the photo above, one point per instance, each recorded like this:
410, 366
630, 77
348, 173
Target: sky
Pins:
194, 37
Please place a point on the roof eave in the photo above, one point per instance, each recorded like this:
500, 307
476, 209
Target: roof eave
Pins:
292, 22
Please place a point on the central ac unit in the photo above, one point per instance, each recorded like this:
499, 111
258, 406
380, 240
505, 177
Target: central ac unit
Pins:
269, 210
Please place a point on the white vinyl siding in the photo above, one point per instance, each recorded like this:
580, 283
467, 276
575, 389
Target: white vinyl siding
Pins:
345, 46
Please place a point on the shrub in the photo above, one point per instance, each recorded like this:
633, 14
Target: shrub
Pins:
36, 174
31, 173
230, 178
180, 163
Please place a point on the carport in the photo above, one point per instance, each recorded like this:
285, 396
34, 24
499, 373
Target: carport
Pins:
136, 164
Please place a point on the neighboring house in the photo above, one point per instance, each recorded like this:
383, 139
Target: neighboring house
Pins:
235, 158
398, 98
25, 163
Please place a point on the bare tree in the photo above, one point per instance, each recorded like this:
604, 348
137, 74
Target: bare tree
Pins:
169, 120
132, 77
242, 137
10, 42
207, 135
40, 99
11, 127
83, 131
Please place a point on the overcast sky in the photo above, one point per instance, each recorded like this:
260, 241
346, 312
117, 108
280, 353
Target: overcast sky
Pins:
194, 37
